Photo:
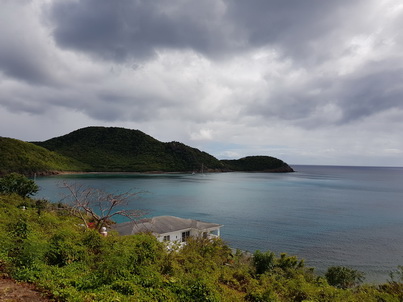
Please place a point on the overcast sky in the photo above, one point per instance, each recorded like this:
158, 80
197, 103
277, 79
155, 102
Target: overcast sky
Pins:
309, 82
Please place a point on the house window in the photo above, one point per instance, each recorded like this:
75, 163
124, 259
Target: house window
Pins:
167, 238
185, 235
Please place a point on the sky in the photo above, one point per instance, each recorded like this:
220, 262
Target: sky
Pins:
309, 82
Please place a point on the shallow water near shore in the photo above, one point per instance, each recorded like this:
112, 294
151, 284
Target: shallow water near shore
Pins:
328, 215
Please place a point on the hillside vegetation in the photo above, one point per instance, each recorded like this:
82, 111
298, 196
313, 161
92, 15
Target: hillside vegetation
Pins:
103, 149
26, 158
257, 163
119, 149
44, 244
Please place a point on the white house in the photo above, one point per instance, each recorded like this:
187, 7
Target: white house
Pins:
170, 228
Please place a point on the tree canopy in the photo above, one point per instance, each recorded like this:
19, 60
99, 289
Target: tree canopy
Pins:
343, 277
18, 184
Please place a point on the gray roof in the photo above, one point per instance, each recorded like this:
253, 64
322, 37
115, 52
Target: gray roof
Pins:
162, 225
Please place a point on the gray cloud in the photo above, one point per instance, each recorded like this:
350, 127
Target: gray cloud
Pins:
127, 29
211, 72
19, 65
21, 54
371, 93
301, 29
332, 100
308, 32
137, 29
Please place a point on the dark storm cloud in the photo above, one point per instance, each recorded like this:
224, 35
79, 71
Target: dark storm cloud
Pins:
321, 100
370, 92
309, 32
113, 106
22, 66
300, 29
21, 55
118, 30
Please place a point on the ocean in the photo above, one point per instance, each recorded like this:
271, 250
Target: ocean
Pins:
327, 215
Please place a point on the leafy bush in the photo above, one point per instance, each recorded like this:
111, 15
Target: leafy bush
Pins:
397, 275
63, 249
286, 262
199, 290
261, 295
18, 184
343, 277
124, 287
263, 262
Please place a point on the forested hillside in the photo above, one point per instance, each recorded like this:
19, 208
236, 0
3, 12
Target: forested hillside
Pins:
110, 149
257, 163
119, 149
27, 158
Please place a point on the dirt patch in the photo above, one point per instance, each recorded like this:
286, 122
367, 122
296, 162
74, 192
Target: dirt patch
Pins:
11, 291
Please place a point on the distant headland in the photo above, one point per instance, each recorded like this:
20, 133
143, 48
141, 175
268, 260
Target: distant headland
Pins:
112, 149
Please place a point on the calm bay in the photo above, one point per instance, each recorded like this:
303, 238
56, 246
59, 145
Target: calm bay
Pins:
328, 215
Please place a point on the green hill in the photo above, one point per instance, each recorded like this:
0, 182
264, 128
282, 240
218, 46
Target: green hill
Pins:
27, 158
123, 150
111, 149
258, 163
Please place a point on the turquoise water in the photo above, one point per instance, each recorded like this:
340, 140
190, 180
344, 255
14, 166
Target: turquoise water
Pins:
351, 216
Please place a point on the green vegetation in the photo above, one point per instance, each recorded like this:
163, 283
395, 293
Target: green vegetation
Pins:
343, 277
26, 158
123, 150
102, 149
18, 184
397, 275
257, 163
44, 244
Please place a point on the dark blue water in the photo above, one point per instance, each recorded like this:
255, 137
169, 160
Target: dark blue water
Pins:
351, 216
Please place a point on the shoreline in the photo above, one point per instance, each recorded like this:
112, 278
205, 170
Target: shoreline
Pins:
54, 173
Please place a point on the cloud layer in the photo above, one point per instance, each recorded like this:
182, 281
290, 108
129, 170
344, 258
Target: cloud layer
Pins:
313, 82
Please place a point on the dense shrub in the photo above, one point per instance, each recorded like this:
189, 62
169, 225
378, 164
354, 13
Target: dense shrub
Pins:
397, 275
64, 249
18, 184
343, 277
76, 264
263, 262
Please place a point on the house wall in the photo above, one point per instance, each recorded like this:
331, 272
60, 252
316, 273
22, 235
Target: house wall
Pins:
177, 236
174, 236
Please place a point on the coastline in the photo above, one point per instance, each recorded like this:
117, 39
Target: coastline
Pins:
50, 173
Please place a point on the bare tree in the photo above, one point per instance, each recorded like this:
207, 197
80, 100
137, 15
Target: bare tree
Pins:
97, 206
